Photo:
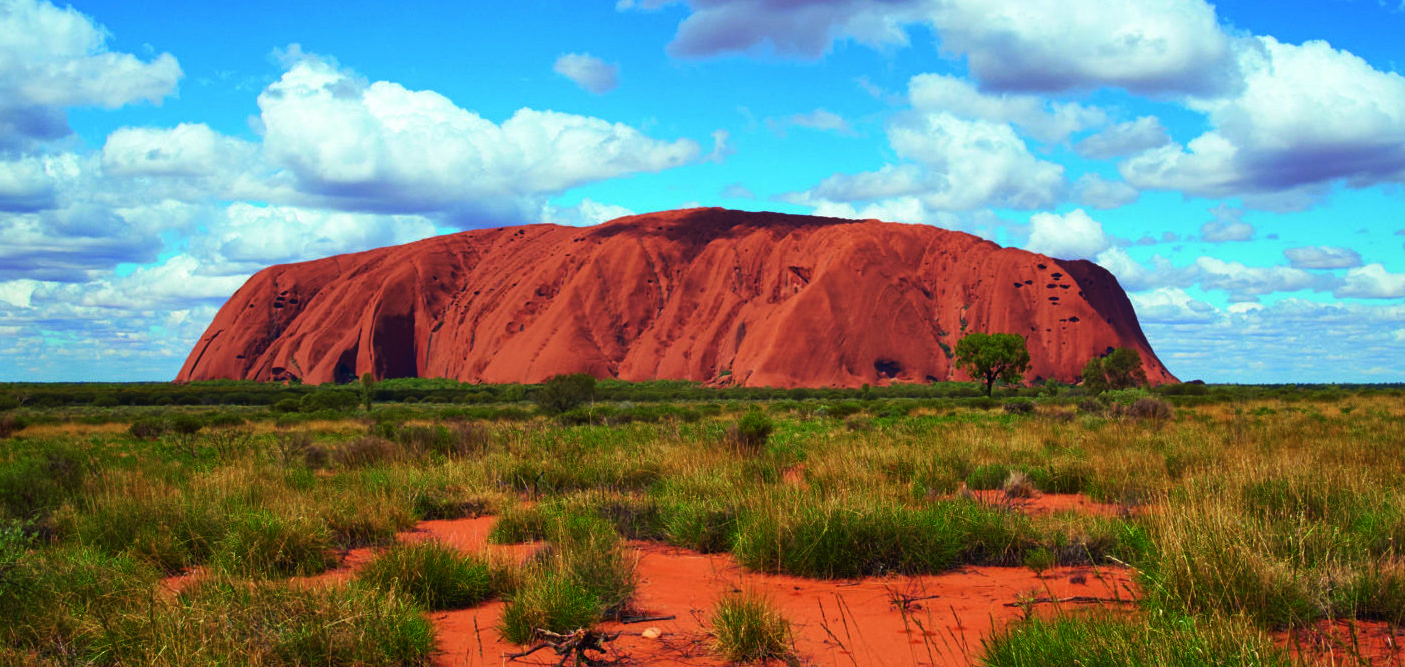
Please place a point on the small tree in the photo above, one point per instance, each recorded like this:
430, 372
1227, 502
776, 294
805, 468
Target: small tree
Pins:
1120, 369
368, 390
991, 357
560, 393
1094, 380
1123, 369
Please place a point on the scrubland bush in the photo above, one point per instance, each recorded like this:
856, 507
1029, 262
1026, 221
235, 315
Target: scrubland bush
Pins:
436, 576
750, 434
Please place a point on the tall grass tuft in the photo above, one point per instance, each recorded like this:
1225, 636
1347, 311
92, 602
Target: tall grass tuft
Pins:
1114, 640
262, 544
583, 577
433, 574
747, 628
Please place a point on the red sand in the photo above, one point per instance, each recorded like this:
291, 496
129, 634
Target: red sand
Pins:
1346, 643
840, 622
850, 622
711, 295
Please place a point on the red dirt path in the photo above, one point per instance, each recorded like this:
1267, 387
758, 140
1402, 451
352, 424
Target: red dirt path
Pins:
836, 622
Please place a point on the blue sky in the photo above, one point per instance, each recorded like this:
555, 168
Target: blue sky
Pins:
1239, 165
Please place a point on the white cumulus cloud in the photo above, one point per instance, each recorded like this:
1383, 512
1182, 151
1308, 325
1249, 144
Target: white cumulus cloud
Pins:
1307, 115
381, 147
1074, 235
590, 73
1372, 281
1322, 257
52, 58
1042, 119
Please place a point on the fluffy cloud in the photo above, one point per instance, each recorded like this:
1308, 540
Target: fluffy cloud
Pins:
1095, 191
187, 150
587, 212
1247, 283
1135, 136
1322, 257
52, 58
242, 238
590, 73
1222, 231
1372, 282
1074, 235
1171, 304
382, 148
26, 185
803, 29
1150, 46
1307, 115
1290, 340
1226, 226
955, 165
1041, 119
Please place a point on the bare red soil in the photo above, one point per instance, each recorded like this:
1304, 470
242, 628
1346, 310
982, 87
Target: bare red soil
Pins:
711, 295
899, 620
928, 620
1332, 643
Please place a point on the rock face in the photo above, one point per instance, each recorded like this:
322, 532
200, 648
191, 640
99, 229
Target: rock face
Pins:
719, 296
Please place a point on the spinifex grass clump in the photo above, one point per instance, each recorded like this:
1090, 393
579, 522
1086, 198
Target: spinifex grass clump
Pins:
220, 621
262, 544
1116, 640
747, 628
749, 435
51, 600
1284, 549
431, 573
583, 576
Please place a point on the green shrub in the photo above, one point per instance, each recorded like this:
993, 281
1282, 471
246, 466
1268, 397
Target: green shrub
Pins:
518, 524
338, 400
434, 575
988, 477
264, 545
147, 428
701, 527
34, 485
584, 576
746, 628
287, 405
105, 401
551, 601
1019, 406
365, 451
750, 434
561, 393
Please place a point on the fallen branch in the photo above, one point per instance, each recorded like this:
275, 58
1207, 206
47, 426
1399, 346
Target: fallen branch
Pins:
1079, 599
575, 644
646, 619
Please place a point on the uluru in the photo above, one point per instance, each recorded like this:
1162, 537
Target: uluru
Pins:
709, 295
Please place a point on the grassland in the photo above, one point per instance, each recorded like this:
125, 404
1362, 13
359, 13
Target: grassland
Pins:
1243, 511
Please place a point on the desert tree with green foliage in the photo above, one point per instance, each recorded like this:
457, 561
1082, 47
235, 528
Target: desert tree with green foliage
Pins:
991, 357
561, 393
1119, 369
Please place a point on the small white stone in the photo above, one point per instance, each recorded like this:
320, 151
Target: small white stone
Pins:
651, 633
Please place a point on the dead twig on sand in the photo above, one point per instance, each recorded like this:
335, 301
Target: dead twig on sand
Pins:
645, 619
1077, 599
573, 645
